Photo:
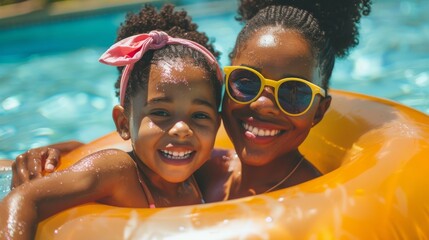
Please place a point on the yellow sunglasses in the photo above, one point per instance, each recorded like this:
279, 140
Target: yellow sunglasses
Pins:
294, 96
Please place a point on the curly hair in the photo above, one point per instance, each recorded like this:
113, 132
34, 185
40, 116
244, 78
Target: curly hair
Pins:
330, 26
176, 24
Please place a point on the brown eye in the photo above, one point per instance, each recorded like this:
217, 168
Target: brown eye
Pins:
201, 115
160, 113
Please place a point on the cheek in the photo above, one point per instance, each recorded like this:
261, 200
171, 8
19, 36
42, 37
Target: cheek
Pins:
229, 106
306, 121
147, 128
207, 141
302, 123
207, 135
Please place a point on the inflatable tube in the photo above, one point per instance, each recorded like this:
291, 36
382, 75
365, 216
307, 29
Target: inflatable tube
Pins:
373, 153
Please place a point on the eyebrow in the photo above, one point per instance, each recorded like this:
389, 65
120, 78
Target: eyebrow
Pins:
158, 100
284, 76
203, 102
252, 67
198, 101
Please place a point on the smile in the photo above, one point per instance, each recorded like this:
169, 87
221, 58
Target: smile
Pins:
176, 154
260, 132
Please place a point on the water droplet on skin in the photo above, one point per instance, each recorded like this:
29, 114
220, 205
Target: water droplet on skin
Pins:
267, 40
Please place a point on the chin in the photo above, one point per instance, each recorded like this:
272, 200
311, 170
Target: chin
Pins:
254, 159
177, 178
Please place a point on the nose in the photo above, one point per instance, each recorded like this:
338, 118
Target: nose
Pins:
181, 130
266, 104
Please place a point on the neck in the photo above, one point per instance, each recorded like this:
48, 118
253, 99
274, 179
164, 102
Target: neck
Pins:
259, 179
166, 193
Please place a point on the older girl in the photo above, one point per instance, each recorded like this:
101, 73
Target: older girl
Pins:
277, 88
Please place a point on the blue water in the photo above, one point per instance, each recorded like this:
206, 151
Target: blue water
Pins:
53, 89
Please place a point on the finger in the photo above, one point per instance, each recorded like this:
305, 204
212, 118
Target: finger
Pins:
20, 167
35, 159
53, 160
15, 179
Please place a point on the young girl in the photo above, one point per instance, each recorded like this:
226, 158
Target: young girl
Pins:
171, 135
277, 90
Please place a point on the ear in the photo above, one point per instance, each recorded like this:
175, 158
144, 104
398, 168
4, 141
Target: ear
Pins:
321, 109
121, 122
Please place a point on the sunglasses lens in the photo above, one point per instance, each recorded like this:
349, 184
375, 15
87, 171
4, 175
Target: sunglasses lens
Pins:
294, 96
243, 85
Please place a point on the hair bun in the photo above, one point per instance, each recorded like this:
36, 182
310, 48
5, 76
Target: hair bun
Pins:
337, 18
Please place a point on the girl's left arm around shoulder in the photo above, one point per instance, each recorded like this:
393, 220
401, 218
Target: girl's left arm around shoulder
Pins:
93, 178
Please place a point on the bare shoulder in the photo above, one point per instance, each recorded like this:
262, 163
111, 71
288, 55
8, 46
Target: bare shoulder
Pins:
105, 160
115, 175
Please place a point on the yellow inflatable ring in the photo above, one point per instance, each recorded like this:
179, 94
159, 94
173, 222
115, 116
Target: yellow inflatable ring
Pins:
374, 154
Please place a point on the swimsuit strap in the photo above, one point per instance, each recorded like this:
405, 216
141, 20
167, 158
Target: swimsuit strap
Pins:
148, 193
192, 179
146, 190
150, 198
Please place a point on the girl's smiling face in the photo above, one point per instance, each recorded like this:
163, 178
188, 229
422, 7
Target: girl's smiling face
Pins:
174, 120
276, 54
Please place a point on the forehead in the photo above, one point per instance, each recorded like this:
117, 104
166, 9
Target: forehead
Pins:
178, 74
278, 53
177, 70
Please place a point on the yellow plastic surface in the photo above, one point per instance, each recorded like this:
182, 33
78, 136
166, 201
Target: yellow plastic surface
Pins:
373, 153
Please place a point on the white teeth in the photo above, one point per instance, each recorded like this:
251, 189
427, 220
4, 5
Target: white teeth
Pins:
255, 131
260, 132
176, 155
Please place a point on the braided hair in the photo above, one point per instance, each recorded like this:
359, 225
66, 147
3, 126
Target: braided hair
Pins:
330, 26
176, 24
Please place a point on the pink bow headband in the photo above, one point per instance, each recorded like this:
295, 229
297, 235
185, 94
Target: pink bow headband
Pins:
130, 50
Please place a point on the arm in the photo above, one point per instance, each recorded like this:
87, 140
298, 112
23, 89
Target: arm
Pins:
66, 147
33, 163
105, 175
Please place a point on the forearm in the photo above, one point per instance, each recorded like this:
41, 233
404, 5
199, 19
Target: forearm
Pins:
56, 192
25, 206
93, 178
19, 217
65, 147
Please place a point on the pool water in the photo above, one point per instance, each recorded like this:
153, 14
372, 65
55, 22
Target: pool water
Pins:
52, 87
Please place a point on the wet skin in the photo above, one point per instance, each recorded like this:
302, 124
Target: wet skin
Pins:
265, 160
172, 136
260, 162
173, 125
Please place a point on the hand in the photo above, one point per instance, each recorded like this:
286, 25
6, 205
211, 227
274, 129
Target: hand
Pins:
33, 163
